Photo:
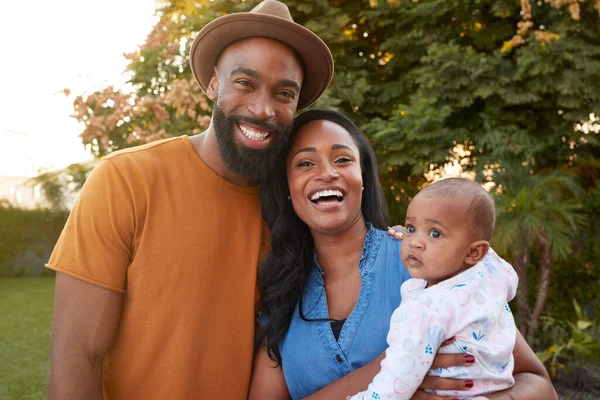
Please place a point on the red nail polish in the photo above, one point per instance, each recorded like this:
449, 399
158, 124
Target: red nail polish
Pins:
469, 383
469, 359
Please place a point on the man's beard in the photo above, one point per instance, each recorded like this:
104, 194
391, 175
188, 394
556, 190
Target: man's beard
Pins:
251, 163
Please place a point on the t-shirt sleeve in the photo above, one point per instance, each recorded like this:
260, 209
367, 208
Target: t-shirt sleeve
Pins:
96, 243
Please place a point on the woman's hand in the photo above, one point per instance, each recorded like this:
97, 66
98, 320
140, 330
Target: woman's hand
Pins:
437, 383
396, 231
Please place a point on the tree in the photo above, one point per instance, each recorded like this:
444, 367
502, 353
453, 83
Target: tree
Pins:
541, 214
58, 185
505, 83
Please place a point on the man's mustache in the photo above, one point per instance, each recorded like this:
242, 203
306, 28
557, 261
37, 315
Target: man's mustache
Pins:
257, 122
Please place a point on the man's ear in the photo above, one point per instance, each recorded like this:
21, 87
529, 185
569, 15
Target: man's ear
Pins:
213, 86
477, 250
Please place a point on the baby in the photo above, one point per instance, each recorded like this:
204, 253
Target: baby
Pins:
455, 292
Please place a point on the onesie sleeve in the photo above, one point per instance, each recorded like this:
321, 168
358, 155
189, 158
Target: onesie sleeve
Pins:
414, 338
96, 243
506, 270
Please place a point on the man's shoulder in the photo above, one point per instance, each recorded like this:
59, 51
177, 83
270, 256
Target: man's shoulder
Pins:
164, 145
157, 154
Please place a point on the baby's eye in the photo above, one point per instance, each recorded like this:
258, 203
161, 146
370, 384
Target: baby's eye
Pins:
435, 234
410, 229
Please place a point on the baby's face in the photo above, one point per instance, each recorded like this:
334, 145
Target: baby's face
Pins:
437, 238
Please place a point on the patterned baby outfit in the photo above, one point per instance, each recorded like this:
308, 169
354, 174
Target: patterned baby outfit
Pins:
472, 307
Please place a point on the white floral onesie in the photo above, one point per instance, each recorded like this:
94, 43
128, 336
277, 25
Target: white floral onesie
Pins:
472, 307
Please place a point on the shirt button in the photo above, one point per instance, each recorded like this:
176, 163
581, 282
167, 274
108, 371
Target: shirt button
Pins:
338, 358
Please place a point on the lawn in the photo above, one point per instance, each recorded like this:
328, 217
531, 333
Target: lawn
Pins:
25, 322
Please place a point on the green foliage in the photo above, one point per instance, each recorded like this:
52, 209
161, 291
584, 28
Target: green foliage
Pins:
58, 185
28, 237
505, 81
536, 205
574, 339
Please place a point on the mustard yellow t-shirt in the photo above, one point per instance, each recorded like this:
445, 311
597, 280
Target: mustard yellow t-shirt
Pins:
183, 245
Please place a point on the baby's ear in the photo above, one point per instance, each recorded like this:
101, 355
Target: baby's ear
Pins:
477, 250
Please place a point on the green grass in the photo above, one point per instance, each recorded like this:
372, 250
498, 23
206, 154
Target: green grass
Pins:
25, 323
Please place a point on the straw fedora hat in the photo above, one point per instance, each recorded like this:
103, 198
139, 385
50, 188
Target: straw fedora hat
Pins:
269, 19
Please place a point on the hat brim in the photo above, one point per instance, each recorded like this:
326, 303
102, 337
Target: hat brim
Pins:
218, 34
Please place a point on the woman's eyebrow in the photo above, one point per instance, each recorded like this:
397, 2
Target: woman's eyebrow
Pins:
306, 149
341, 146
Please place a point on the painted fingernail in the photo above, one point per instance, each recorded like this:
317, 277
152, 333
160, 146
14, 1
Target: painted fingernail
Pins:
469, 383
469, 359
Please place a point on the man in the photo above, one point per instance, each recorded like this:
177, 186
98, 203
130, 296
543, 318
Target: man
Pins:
156, 266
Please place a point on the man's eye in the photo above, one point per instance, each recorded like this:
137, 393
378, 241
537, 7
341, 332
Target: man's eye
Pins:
244, 82
287, 94
435, 234
410, 229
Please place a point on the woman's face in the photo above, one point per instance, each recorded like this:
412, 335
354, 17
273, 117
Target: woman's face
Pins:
325, 177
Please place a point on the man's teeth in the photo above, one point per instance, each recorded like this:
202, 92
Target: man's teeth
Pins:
326, 193
253, 135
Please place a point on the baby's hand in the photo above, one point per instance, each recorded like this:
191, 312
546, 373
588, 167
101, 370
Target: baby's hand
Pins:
396, 232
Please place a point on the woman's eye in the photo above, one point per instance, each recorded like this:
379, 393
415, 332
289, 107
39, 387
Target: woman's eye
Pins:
410, 229
305, 164
343, 160
435, 234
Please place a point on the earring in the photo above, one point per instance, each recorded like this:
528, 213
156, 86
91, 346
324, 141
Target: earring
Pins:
289, 197
363, 188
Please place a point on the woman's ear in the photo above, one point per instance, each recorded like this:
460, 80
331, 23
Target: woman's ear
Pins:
477, 250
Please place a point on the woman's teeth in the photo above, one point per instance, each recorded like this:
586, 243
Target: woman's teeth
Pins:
327, 193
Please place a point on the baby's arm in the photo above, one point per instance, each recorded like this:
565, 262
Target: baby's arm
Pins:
413, 342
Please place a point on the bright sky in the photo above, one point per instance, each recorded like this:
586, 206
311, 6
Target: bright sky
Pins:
49, 45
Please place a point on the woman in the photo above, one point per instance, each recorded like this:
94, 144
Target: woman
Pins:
332, 280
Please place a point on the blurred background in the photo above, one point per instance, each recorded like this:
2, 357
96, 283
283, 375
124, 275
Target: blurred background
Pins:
505, 92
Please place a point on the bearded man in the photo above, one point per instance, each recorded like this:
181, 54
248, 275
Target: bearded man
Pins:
156, 267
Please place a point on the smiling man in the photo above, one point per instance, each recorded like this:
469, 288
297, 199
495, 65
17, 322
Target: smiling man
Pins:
156, 267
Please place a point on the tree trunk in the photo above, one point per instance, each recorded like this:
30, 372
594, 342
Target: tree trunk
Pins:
545, 267
521, 262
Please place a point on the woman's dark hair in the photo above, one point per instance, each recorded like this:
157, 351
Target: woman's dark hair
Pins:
284, 273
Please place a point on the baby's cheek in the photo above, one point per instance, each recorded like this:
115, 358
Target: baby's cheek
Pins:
403, 249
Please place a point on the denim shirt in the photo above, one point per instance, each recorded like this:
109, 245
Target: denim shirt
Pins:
311, 357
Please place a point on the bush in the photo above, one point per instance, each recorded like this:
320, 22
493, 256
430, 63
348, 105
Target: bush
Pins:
28, 237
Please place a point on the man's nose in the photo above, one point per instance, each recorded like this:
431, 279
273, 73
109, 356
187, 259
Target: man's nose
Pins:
262, 107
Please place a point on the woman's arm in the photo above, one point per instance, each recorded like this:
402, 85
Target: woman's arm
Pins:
531, 378
268, 382
359, 379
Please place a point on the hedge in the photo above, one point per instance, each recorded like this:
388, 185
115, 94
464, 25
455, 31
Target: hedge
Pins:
27, 238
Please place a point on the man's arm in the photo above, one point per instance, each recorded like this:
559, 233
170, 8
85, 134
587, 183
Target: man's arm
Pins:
85, 322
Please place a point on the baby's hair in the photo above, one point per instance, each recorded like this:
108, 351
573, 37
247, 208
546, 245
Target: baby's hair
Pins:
481, 213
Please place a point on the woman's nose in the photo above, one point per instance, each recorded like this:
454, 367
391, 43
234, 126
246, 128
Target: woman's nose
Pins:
328, 173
